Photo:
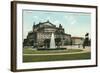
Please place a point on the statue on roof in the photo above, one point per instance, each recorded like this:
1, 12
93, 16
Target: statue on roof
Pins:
48, 21
60, 26
33, 24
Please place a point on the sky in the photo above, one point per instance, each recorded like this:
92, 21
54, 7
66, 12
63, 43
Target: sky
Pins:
76, 24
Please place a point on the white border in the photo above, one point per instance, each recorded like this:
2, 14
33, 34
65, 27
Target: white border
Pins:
21, 65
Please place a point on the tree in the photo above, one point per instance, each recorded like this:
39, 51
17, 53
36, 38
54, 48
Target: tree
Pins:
47, 43
67, 42
86, 40
58, 42
25, 42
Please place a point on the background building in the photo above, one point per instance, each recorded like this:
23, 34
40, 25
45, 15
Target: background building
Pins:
77, 40
41, 34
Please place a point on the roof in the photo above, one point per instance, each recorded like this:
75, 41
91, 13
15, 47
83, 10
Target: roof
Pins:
68, 34
41, 23
77, 37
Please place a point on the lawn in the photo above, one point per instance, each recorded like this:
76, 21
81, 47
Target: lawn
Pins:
39, 58
30, 51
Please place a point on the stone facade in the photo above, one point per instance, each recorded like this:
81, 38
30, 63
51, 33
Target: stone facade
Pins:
41, 34
77, 40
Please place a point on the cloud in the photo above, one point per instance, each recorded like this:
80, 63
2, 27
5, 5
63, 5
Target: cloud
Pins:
56, 22
66, 17
35, 17
48, 18
72, 20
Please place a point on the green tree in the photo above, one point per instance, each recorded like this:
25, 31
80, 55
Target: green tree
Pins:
86, 40
58, 42
47, 43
